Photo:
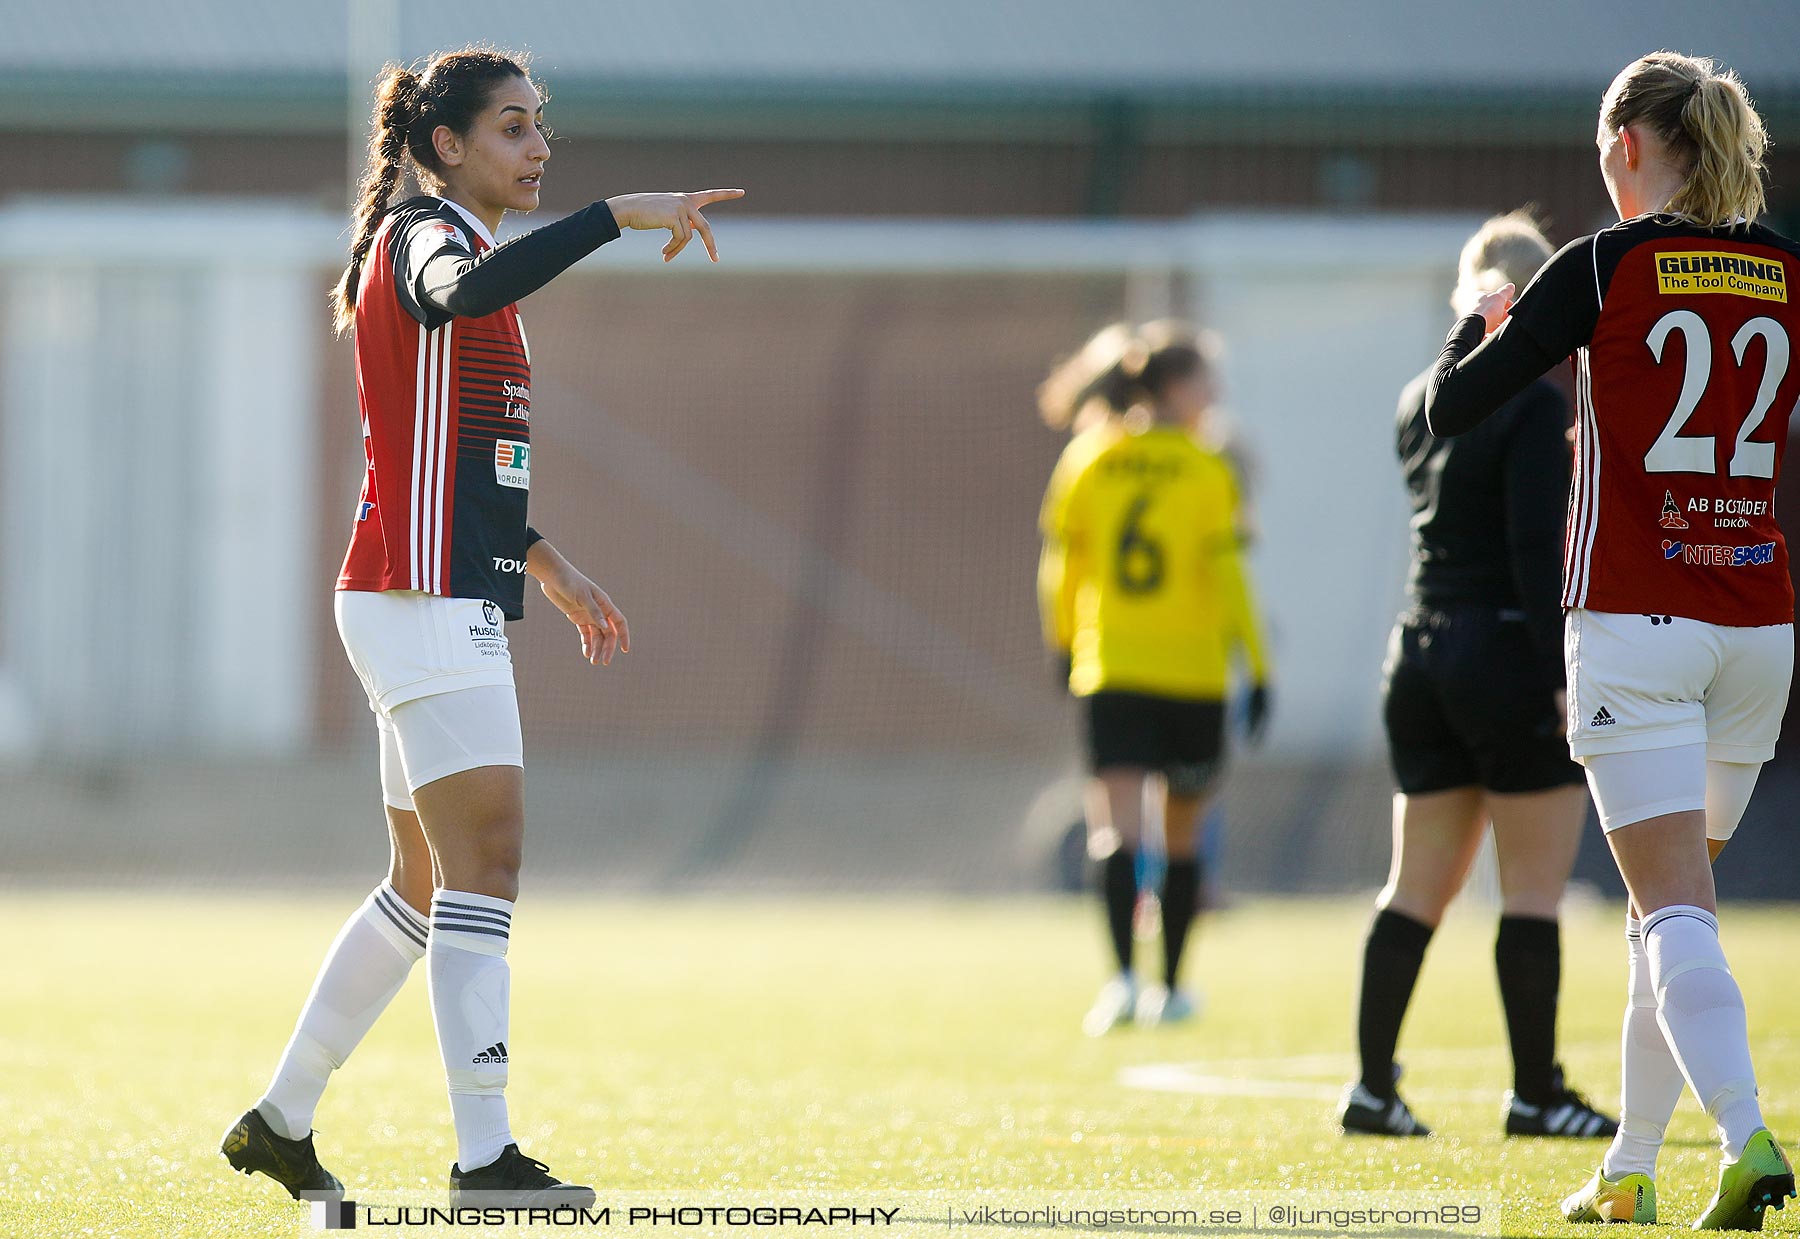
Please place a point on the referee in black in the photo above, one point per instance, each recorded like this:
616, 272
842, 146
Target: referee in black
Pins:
1473, 702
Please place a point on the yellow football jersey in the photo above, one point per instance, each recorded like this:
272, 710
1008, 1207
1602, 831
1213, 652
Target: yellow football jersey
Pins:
1142, 579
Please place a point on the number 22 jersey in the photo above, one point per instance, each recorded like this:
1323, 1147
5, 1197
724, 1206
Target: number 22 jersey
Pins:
1682, 338
446, 421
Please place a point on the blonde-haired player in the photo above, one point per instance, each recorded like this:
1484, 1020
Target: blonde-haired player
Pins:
1469, 703
1679, 644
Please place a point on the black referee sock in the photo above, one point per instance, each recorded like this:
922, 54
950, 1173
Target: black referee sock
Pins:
1392, 954
1181, 890
1118, 893
1528, 961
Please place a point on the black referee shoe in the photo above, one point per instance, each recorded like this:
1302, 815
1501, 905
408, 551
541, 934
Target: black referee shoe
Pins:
1566, 1113
1362, 1113
251, 1146
516, 1180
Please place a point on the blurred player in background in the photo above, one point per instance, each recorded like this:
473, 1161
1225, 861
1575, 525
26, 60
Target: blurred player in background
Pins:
1220, 433
437, 561
1142, 586
1472, 703
1679, 633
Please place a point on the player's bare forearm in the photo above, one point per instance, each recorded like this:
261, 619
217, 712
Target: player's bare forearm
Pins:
543, 561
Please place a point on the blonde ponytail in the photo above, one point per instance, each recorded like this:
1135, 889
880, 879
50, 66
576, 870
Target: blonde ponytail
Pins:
1705, 119
1726, 182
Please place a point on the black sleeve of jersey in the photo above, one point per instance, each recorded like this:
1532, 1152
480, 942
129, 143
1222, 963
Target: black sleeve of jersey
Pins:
1536, 477
1553, 317
532, 537
1560, 306
469, 287
1473, 377
406, 257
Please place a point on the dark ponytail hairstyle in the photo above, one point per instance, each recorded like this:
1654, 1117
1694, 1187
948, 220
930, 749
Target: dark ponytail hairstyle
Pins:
451, 91
1121, 366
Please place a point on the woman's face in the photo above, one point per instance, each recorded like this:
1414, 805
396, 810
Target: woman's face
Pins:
499, 163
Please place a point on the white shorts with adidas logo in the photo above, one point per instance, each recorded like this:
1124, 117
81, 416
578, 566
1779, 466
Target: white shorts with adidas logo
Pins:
1641, 682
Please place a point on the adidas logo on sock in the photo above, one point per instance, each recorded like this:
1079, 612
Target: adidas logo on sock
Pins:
495, 1053
1602, 718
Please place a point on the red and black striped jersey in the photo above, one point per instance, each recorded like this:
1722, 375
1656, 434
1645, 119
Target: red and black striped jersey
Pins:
1682, 339
446, 421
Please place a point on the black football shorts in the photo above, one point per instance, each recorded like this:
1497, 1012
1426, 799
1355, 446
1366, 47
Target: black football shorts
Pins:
1465, 703
1184, 740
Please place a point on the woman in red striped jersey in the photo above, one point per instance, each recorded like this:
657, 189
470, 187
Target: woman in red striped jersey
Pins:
438, 555
1679, 629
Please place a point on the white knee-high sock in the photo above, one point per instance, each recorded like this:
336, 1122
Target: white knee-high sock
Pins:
1701, 1011
365, 968
1650, 1079
470, 1003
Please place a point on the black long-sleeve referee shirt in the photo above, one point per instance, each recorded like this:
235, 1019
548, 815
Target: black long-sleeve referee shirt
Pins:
1489, 509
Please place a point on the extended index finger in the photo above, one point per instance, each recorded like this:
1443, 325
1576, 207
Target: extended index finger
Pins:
706, 197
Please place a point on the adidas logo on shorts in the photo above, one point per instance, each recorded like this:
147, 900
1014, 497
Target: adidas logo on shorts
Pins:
495, 1053
1602, 718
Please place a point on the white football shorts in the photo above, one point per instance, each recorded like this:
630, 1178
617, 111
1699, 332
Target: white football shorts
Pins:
438, 675
1657, 682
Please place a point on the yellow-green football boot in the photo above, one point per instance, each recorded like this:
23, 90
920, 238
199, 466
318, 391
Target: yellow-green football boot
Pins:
1631, 1199
1760, 1180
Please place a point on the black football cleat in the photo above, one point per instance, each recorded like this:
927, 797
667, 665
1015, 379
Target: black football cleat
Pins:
1566, 1113
251, 1146
1362, 1113
516, 1180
